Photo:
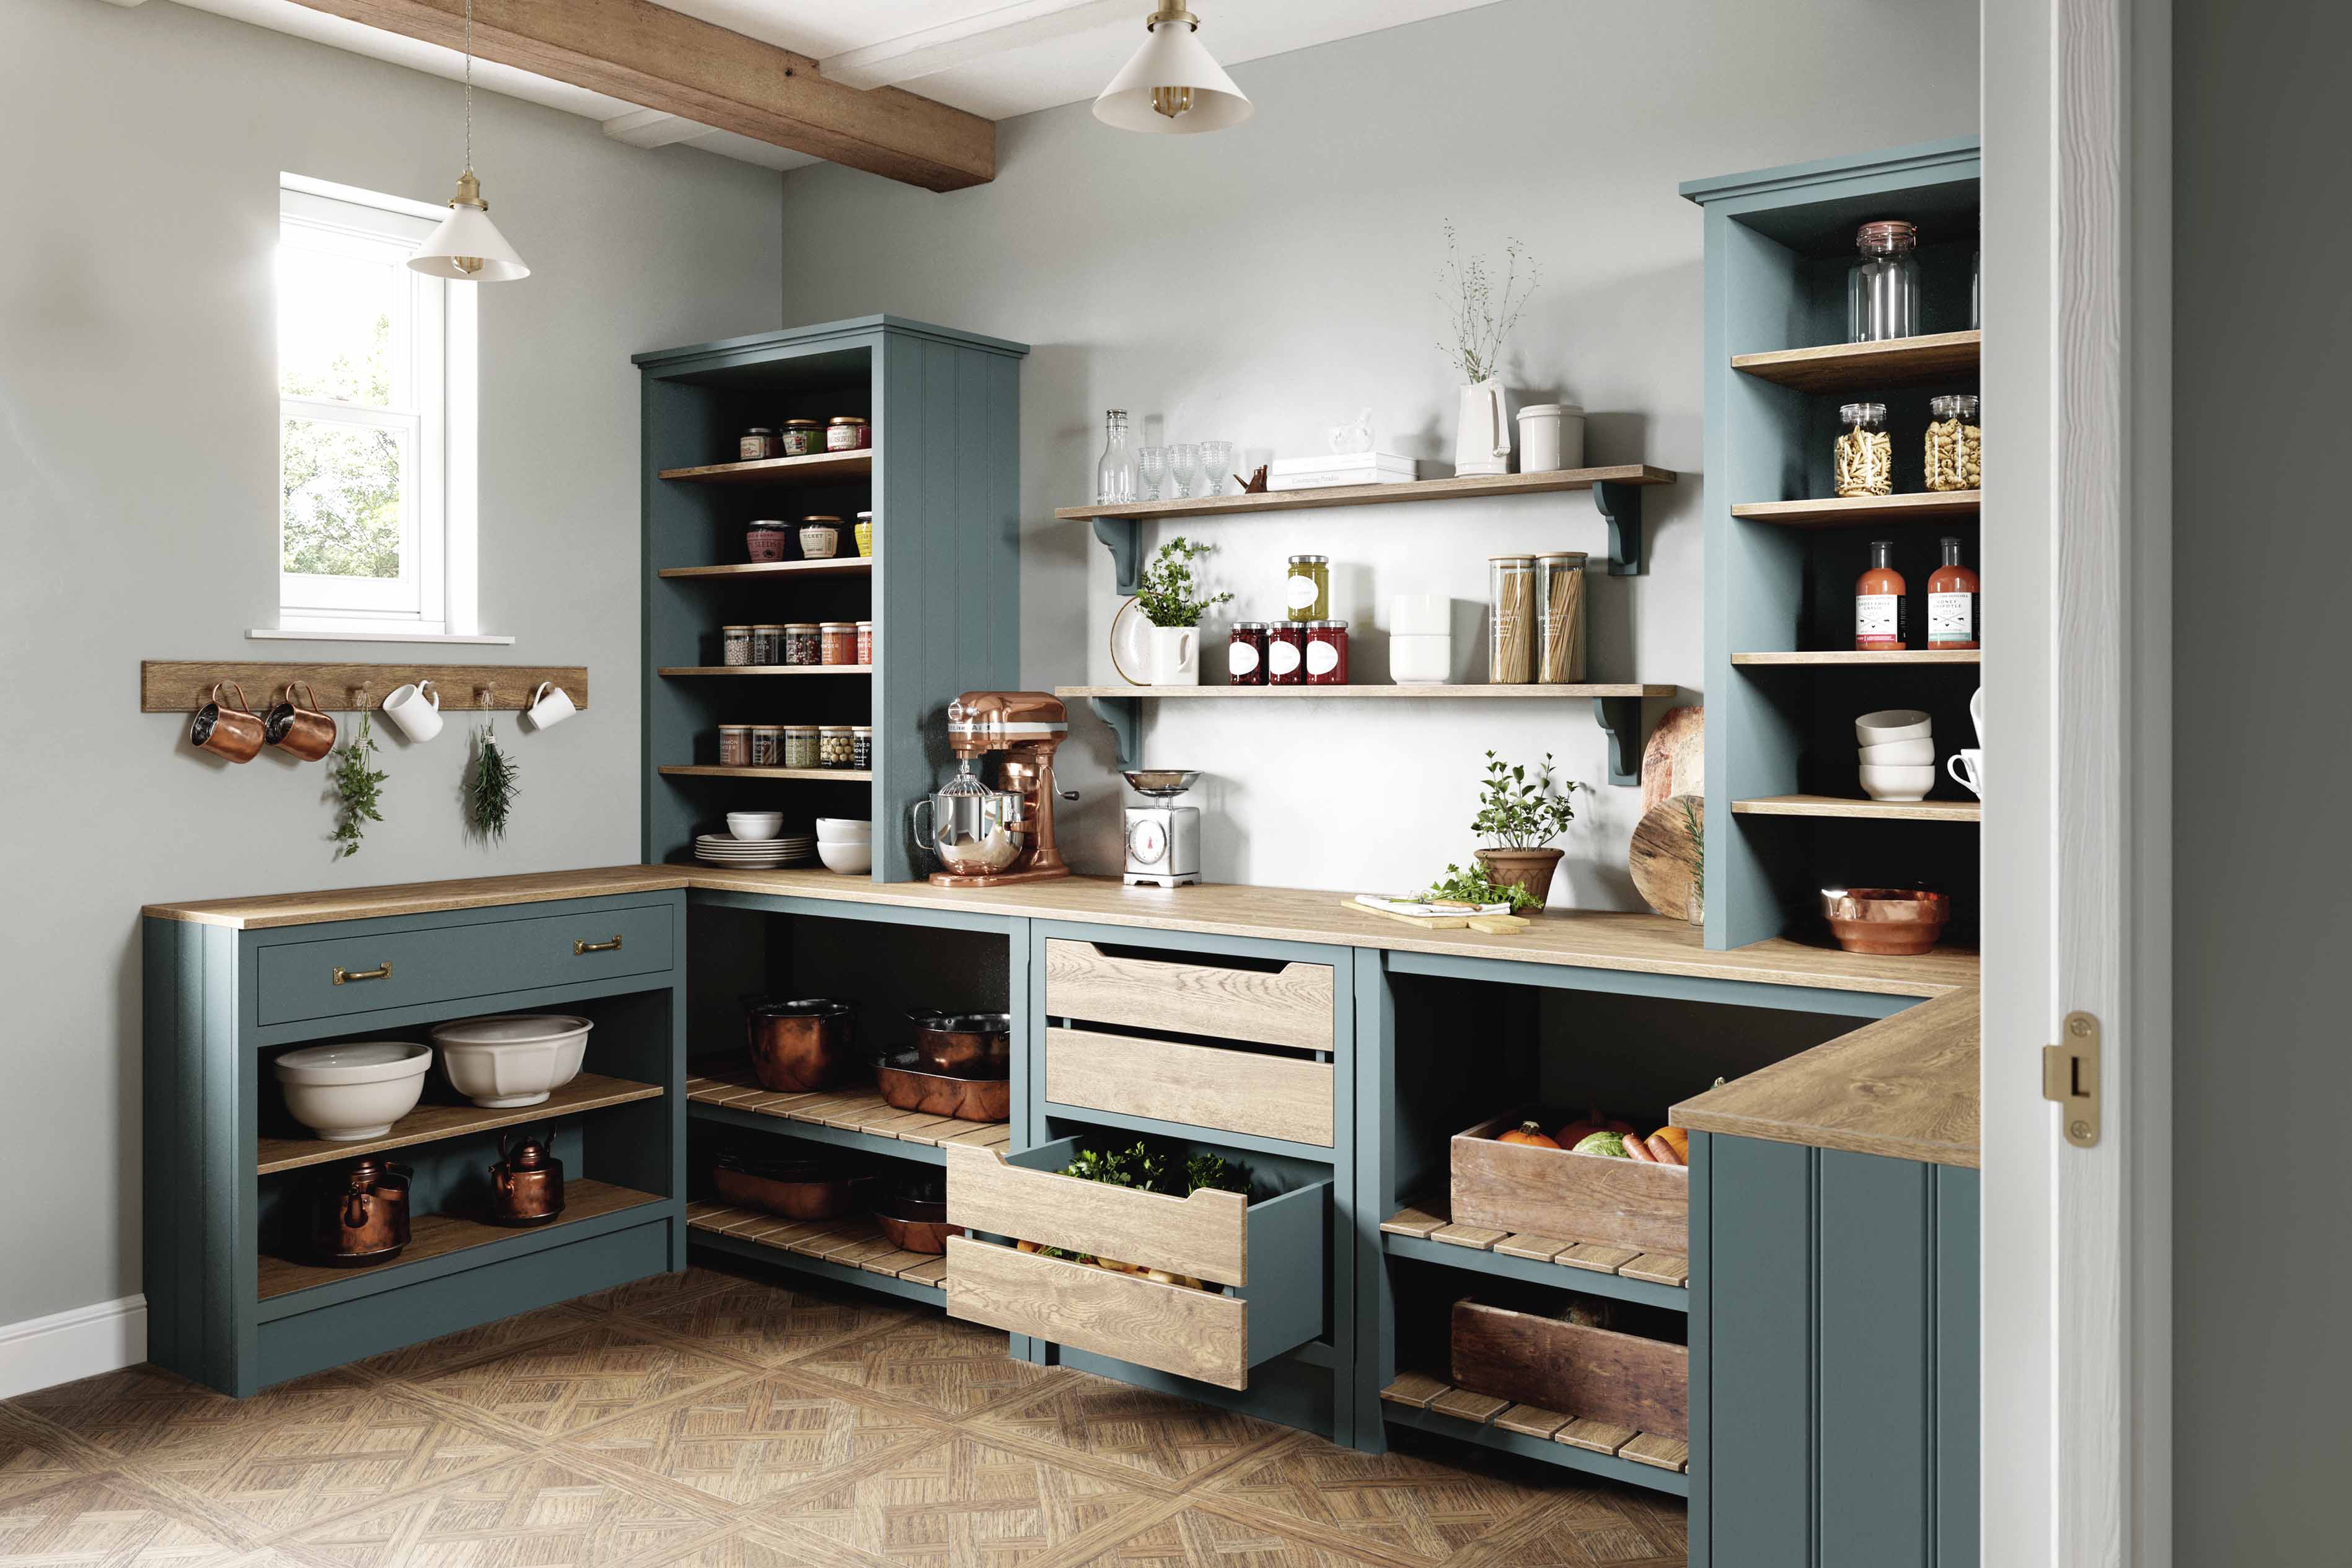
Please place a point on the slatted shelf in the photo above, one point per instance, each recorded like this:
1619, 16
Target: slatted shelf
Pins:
432, 1123
436, 1236
1873, 810
723, 1088
851, 1249
1643, 1458
1508, 1253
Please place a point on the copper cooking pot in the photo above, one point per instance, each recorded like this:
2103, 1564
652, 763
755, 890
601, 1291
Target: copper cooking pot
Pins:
359, 1214
906, 1085
798, 1047
972, 1044
527, 1183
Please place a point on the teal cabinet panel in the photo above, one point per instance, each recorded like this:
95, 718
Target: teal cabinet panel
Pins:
1877, 1272
1958, 1452
1755, 1292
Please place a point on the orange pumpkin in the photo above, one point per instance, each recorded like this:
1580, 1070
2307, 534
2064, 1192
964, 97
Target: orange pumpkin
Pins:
1528, 1132
1676, 1139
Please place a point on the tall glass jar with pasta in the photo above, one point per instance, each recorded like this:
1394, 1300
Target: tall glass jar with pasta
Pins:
1559, 607
1511, 617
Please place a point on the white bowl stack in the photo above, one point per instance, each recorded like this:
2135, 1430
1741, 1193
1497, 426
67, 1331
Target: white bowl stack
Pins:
846, 845
754, 840
1897, 754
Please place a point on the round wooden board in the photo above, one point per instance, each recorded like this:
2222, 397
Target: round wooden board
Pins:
1672, 763
1667, 855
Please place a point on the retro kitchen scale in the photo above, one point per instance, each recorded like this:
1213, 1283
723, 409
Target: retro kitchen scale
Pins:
1163, 839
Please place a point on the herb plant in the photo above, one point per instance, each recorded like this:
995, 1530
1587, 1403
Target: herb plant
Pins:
1477, 317
358, 788
1475, 886
1170, 597
1518, 813
490, 795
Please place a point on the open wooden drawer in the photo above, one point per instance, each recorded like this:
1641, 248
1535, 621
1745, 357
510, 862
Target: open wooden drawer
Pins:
1266, 1257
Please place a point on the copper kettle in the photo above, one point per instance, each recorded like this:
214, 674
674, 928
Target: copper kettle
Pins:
360, 1214
527, 1183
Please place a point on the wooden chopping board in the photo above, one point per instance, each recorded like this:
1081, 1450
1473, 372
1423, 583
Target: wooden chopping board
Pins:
1673, 761
1667, 855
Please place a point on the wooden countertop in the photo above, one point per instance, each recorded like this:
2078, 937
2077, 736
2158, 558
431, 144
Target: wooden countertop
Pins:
420, 898
1904, 1087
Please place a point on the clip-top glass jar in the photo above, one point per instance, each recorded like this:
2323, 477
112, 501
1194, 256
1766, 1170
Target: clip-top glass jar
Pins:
1306, 587
1510, 619
1882, 291
1245, 654
1955, 445
1326, 652
1864, 462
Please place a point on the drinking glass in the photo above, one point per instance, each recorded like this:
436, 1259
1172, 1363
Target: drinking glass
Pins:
1184, 468
1154, 462
1216, 463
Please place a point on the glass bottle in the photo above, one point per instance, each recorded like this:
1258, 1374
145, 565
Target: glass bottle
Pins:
1115, 475
1952, 598
1878, 602
1882, 292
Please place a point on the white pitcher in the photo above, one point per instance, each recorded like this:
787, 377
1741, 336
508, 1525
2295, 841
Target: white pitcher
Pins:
1482, 432
1175, 656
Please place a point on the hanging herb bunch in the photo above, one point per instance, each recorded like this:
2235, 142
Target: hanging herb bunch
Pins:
490, 795
358, 788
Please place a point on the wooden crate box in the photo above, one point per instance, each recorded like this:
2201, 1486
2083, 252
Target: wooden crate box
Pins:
1596, 1374
1575, 1197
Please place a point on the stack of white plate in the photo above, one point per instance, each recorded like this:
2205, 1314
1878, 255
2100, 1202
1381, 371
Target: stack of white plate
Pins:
726, 849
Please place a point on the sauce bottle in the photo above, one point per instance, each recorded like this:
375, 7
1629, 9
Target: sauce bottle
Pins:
1952, 602
1878, 597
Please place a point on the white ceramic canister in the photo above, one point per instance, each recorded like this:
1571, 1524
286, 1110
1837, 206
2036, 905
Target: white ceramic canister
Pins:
1552, 436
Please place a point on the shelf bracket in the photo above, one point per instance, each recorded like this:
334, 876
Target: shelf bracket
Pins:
1622, 718
1621, 504
1123, 537
1125, 717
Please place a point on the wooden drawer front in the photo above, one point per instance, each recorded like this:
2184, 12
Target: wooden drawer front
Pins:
1205, 1235
1576, 1197
1171, 1327
297, 980
1199, 1086
1288, 1006
1597, 1374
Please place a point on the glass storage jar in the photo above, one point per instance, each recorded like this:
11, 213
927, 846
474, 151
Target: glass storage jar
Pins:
836, 746
1881, 291
1327, 653
734, 745
839, 640
734, 646
801, 643
1286, 653
861, 745
802, 436
758, 442
764, 540
1954, 443
800, 745
1864, 460
848, 433
767, 645
767, 745
1559, 611
1245, 654
1306, 587
866, 643
1510, 619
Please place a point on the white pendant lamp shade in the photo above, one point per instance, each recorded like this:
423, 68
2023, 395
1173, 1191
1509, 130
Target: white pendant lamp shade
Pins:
467, 246
1172, 85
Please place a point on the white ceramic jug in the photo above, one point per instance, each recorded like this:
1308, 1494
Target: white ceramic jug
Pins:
1175, 656
1482, 432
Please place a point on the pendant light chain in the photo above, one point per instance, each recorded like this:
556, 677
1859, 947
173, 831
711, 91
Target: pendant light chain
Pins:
469, 83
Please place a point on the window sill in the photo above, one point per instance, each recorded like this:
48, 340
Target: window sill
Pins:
297, 634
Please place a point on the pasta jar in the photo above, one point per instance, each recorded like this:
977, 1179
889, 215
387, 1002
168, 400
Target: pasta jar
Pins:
848, 433
1245, 654
801, 644
1559, 605
767, 745
1286, 653
865, 642
734, 646
759, 442
802, 437
1954, 443
861, 745
1327, 653
800, 745
734, 745
764, 540
1306, 587
767, 645
1864, 462
1510, 619
836, 746
840, 641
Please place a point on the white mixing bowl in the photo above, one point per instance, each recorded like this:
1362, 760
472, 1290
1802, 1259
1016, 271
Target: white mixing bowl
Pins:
512, 1058
351, 1091
850, 859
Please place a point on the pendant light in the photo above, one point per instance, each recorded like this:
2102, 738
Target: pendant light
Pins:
468, 246
1172, 85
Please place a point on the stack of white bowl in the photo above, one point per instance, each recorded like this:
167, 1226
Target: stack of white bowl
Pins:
846, 844
1897, 752
1421, 639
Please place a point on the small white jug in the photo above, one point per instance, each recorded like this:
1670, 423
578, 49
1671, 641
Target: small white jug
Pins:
416, 709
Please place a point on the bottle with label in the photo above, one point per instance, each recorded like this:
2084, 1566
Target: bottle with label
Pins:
1952, 602
1878, 603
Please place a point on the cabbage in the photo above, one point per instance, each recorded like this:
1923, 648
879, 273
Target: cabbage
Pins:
1609, 1144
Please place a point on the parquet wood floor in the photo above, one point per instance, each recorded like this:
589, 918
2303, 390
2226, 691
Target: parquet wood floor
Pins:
707, 1420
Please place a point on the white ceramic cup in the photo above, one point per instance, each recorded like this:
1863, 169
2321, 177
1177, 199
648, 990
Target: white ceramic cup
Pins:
1967, 768
1900, 754
550, 705
416, 709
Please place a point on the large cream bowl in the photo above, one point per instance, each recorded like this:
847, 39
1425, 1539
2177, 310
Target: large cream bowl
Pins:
512, 1058
353, 1091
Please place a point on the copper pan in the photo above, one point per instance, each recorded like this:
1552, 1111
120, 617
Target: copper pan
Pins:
905, 1085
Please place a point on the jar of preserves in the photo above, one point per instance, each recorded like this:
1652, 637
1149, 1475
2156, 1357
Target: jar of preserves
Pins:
1306, 587
764, 540
734, 745
1510, 619
1559, 608
800, 745
848, 433
1954, 443
861, 745
1327, 653
1245, 654
820, 538
1864, 461
734, 646
866, 643
1286, 653
801, 438
1882, 291
836, 746
801, 645
767, 745
838, 640
757, 443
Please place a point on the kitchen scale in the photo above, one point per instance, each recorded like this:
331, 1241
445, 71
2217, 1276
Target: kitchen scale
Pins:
1163, 839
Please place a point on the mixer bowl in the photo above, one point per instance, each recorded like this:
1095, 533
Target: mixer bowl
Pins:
973, 832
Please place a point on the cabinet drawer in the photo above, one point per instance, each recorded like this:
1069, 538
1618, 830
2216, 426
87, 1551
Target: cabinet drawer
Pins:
298, 980
1214, 1086
1290, 1005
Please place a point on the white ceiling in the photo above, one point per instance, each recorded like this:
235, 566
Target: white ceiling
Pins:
996, 58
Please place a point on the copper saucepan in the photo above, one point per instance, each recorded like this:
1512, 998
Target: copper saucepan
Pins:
971, 1044
798, 1046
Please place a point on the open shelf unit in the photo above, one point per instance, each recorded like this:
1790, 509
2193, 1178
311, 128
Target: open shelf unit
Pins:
1856, 658
1931, 360
1433, 1404
436, 1236
1422, 1231
849, 1251
804, 471
724, 1090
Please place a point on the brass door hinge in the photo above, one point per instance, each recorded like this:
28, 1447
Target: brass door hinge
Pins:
2070, 1075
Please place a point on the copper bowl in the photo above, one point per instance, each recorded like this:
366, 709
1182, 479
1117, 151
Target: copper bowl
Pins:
798, 1046
915, 1234
793, 1189
906, 1085
964, 1044
1890, 920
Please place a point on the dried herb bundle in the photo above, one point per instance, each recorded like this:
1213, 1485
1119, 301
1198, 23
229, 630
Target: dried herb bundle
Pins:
358, 788
1478, 318
493, 790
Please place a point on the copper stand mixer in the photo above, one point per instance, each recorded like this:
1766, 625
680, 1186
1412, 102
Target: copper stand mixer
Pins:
983, 837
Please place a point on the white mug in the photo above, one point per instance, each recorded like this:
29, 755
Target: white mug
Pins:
416, 709
1967, 768
549, 705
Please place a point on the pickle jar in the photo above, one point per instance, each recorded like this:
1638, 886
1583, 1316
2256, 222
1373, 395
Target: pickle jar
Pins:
1864, 463
734, 646
1286, 653
1954, 443
1306, 587
1560, 617
800, 745
1510, 619
1245, 654
1327, 653
757, 443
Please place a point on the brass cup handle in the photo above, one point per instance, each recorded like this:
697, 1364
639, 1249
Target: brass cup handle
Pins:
382, 972
579, 947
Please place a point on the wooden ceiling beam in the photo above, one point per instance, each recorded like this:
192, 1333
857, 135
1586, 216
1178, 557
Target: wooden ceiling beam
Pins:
663, 59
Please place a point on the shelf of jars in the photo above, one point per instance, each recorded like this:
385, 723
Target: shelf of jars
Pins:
818, 775
813, 469
850, 566
671, 671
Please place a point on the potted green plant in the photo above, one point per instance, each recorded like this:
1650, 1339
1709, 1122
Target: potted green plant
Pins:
1173, 603
1519, 815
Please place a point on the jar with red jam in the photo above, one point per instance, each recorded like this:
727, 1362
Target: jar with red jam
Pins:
1286, 653
1245, 654
1327, 653
848, 433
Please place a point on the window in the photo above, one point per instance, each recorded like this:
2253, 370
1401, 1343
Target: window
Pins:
375, 420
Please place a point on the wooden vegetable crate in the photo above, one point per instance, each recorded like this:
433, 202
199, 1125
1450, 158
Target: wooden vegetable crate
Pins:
1559, 1193
1596, 1374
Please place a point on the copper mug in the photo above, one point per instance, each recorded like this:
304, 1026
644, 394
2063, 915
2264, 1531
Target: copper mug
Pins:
360, 1214
301, 728
234, 732
527, 1183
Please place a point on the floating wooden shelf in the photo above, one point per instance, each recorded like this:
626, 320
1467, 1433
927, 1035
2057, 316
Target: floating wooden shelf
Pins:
852, 1245
723, 1089
674, 669
433, 1123
1422, 1231
1878, 810
438, 1235
1864, 512
1914, 656
1842, 367
821, 775
843, 566
816, 466
1419, 1399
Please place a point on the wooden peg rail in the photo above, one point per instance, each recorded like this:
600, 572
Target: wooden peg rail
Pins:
168, 686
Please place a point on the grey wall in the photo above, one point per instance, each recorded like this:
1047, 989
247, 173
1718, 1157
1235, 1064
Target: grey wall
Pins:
137, 453
1262, 283
2259, 1033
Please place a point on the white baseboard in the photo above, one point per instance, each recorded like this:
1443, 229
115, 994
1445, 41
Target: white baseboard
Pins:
82, 1341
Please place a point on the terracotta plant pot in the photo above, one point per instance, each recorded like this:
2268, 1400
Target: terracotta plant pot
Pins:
1528, 868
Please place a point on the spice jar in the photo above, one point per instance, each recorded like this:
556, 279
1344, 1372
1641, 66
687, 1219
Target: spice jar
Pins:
1286, 653
1245, 654
757, 443
1306, 588
767, 645
801, 644
801, 438
734, 745
1327, 653
865, 532
820, 537
800, 745
1864, 463
1560, 604
865, 642
836, 746
764, 540
1510, 619
839, 640
848, 433
1882, 291
1953, 443
861, 745
767, 745
734, 646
